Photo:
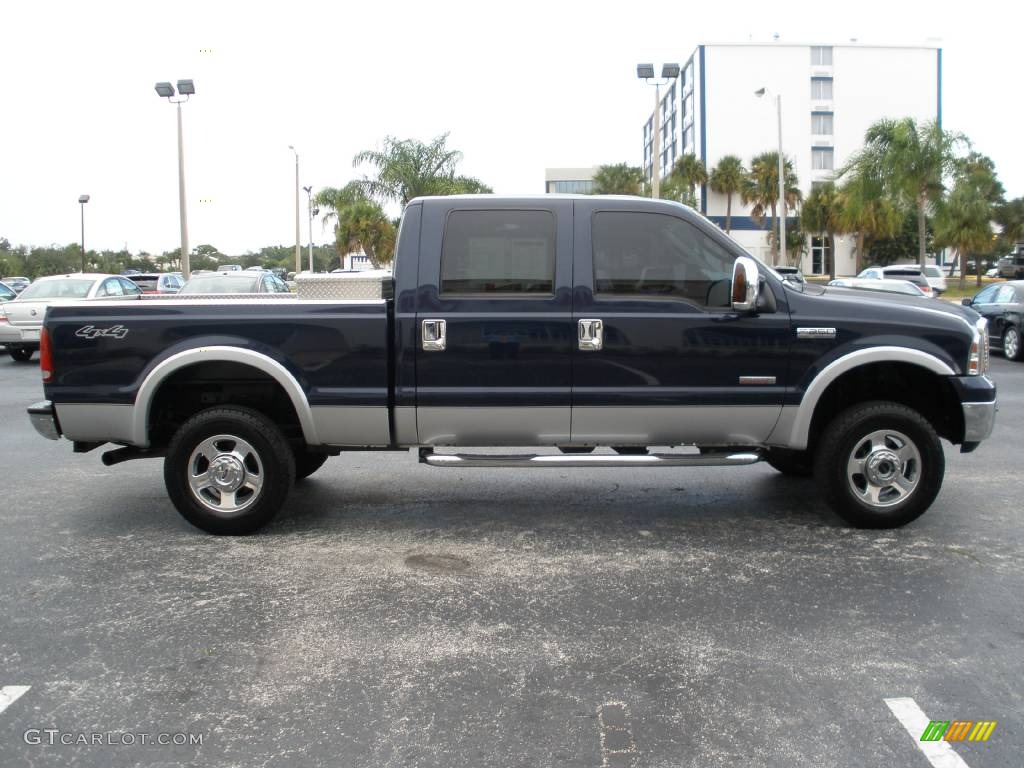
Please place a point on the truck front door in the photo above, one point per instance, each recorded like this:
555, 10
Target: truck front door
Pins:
675, 365
495, 334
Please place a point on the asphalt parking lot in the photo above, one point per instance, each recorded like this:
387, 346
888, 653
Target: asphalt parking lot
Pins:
398, 615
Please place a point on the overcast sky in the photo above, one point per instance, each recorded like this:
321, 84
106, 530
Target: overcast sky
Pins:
521, 86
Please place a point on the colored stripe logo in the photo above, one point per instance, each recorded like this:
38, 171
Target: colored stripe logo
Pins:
958, 730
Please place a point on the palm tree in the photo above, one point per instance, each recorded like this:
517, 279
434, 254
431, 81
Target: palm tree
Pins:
911, 159
964, 224
761, 190
822, 213
618, 179
867, 213
727, 179
359, 223
1010, 217
408, 168
690, 171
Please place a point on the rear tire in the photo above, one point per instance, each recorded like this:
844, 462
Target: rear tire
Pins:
791, 463
21, 355
1011, 343
879, 465
229, 470
307, 462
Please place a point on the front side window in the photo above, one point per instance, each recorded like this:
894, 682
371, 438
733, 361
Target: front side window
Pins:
986, 296
821, 88
500, 252
653, 255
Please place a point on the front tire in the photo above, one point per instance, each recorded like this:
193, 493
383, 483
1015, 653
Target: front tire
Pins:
229, 470
21, 355
879, 465
1011, 343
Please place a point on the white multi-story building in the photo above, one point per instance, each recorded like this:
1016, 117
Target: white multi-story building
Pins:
830, 94
573, 181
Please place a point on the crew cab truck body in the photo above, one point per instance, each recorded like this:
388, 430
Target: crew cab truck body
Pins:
565, 322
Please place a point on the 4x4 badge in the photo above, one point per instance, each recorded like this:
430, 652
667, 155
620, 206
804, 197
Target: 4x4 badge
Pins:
92, 332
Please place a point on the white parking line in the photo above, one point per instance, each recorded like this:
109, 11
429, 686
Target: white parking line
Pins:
10, 694
939, 753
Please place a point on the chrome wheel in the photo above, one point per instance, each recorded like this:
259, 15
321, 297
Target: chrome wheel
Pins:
225, 474
883, 468
1011, 343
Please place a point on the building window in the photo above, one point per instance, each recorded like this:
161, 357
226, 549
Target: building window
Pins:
822, 158
819, 255
580, 187
498, 252
821, 88
688, 139
821, 56
821, 123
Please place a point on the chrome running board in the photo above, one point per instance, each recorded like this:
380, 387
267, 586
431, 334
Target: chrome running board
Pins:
738, 458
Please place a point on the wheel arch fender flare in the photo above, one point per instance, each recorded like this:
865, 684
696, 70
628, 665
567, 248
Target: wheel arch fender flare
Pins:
794, 432
264, 363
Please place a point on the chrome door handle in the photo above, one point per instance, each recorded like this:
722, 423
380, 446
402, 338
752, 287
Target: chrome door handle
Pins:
433, 335
591, 335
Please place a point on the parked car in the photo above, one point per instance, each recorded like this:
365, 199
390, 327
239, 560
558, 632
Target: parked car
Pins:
7, 293
1002, 305
233, 282
230, 268
904, 287
1011, 266
913, 274
22, 319
17, 284
933, 274
792, 274
158, 282
994, 272
559, 322
254, 269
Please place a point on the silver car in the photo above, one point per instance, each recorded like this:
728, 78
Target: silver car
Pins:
22, 319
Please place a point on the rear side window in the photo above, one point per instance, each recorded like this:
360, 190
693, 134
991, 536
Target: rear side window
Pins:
498, 252
653, 255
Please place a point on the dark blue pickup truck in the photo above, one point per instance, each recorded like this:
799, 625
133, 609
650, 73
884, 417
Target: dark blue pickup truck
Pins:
620, 331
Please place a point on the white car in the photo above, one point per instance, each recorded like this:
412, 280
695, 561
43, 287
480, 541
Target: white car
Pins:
933, 274
883, 285
893, 272
22, 319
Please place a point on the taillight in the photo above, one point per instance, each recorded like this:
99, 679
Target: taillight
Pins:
45, 357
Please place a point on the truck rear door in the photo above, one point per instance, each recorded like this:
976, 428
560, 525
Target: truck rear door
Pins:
673, 364
494, 325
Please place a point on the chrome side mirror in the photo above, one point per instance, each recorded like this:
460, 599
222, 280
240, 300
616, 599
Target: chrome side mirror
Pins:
744, 284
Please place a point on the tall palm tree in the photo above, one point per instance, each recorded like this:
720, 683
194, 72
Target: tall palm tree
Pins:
1010, 217
963, 223
911, 159
727, 179
408, 168
867, 213
761, 191
618, 179
359, 223
822, 213
690, 171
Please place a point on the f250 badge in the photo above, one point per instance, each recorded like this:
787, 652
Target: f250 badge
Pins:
92, 332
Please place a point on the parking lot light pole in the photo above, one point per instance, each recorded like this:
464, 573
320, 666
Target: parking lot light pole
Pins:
298, 240
83, 199
186, 88
782, 174
312, 212
645, 72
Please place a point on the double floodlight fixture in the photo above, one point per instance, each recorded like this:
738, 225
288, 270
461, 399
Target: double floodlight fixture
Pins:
83, 198
185, 88
668, 71
760, 92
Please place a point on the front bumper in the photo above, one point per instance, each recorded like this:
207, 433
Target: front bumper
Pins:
44, 419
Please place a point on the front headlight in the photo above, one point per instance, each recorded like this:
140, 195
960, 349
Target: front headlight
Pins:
977, 362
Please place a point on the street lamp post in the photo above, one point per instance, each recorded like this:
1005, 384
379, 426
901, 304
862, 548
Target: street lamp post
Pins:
83, 199
782, 174
312, 212
645, 72
298, 241
186, 88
